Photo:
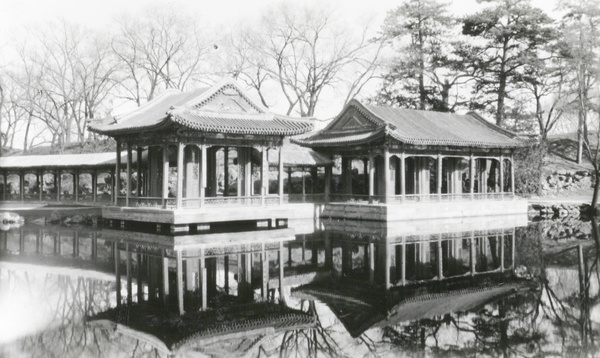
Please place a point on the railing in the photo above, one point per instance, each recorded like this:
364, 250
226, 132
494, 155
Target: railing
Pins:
233, 201
147, 202
272, 200
304, 198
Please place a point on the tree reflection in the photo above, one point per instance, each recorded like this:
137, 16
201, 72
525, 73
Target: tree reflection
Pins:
552, 319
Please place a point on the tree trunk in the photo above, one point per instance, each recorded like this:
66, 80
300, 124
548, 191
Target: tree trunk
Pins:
596, 189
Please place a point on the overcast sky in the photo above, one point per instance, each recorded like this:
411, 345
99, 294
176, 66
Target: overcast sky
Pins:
19, 14
19, 17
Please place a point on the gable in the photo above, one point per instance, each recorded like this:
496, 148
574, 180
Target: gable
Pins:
229, 99
352, 119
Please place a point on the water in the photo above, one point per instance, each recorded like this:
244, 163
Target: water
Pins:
484, 288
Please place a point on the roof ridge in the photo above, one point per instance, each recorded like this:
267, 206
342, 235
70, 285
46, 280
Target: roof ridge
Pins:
480, 118
221, 85
148, 104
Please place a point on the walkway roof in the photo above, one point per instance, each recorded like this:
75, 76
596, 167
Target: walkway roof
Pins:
359, 124
222, 108
86, 160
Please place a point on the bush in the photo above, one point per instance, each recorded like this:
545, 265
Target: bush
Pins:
528, 169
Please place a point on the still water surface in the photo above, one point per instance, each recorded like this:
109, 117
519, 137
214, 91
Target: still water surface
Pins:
348, 289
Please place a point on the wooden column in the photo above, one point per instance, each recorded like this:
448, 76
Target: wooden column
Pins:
76, 184
129, 167
303, 185
403, 176
264, 174
5, 179
371, 177
248, 179
371, 262
388, 264
472, 253
281, 275
117, 259
226, 272
58, 184
112, 181
314, 176
203, 174
179, 255
165, 277
439, 176
280, 175
502, 250
129, 275
22, 184
140, 183
225, 171
180, 147
264, 261
240, 177
94, 185
366, 174
289, 181
439, 258
386, 174
347, 175
165, 176
472, 176
403, 269
328, 172
41, 184
138, 280
203, 279
117, 178
502, 176
512, 174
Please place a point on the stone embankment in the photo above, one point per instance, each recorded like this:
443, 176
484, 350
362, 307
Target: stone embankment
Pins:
563, 181
558, 210
66, 215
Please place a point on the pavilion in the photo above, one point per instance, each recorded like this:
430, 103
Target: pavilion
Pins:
212, 133
392, 155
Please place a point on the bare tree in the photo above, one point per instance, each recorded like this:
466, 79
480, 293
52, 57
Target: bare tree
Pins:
163, 50
304, 50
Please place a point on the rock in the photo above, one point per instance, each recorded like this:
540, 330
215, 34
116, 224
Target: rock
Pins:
54, 217
76, 219
39, 221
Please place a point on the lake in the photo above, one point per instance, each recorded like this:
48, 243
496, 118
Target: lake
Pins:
485, 287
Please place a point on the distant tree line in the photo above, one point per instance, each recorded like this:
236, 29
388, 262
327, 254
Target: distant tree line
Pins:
527, 71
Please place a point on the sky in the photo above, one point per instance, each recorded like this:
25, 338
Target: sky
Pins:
20, 18
19, 14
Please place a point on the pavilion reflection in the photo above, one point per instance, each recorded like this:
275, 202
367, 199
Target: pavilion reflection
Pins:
191, 272
381, 276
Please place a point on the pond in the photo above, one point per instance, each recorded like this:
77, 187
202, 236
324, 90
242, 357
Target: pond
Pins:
332, 288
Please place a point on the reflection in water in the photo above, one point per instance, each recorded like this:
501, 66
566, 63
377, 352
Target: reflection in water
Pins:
339, 291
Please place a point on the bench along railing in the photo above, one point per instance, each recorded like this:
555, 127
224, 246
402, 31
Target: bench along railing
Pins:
271, 200
304, 198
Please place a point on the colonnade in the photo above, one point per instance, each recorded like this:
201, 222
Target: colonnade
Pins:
203, 174
51, 184
391, 177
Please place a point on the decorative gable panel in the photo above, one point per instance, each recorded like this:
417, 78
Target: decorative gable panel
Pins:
352, 119
228, 100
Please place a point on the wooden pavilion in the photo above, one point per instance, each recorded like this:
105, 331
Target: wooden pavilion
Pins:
395, 155
220, 140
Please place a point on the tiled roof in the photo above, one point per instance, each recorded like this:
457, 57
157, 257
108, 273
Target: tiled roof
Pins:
150, 115
239, 123
297, 156
201, 110
327, 138
61, 160
415, 127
